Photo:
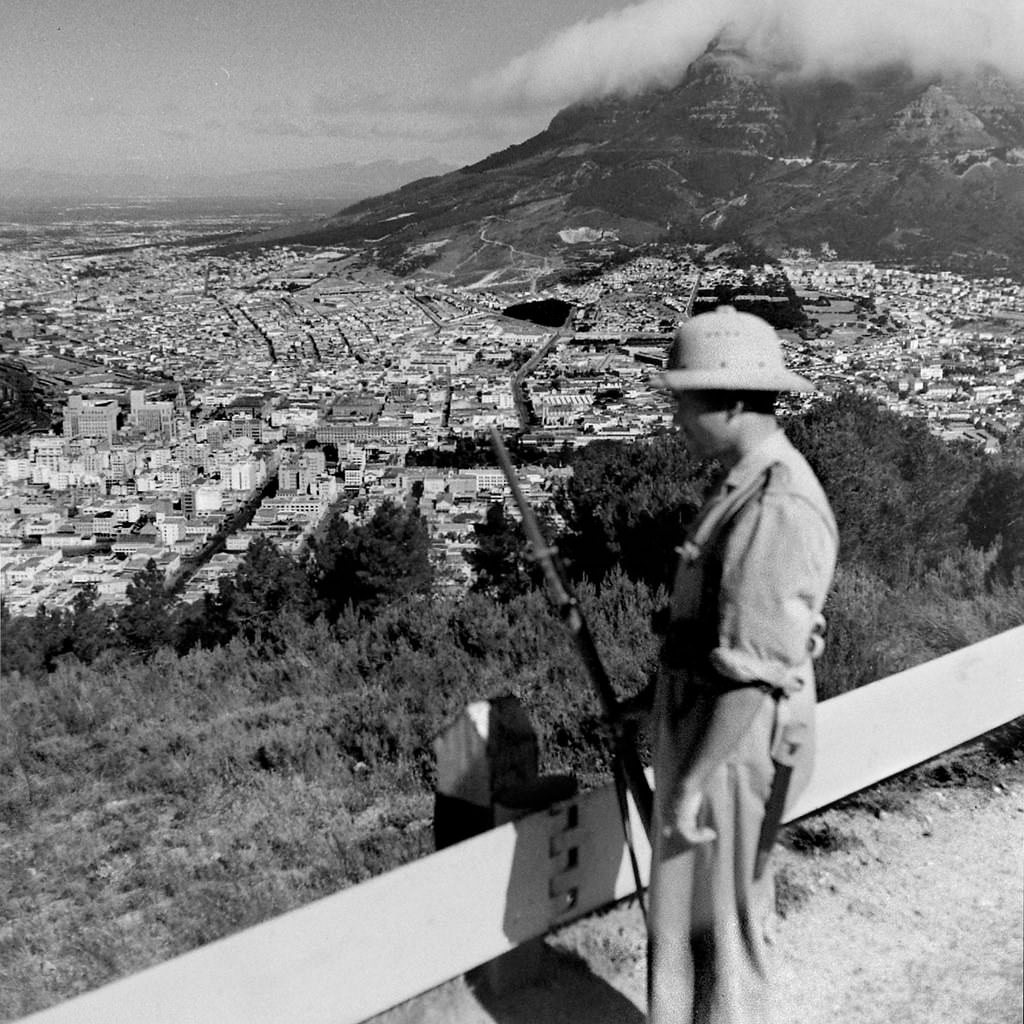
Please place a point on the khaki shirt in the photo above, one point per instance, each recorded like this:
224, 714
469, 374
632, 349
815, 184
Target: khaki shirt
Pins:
753, 575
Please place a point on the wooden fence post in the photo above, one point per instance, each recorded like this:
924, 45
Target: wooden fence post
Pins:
487, 775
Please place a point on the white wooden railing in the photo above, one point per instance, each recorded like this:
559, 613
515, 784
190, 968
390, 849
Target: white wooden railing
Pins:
352, 955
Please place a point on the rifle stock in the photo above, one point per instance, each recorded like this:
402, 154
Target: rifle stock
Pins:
623, 734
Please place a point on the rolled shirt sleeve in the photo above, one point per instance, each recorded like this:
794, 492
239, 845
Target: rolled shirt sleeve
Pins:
776, 569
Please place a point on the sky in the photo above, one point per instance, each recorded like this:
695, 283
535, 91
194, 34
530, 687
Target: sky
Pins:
171, 87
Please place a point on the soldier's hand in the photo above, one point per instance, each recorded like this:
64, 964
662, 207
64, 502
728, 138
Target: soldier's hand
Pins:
685, 825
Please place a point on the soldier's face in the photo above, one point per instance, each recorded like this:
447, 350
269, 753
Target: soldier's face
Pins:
704, 424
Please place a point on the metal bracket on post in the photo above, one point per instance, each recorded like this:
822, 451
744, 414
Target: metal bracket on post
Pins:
563, 850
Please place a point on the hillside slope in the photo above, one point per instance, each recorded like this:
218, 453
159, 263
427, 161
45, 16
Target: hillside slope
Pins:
886, 166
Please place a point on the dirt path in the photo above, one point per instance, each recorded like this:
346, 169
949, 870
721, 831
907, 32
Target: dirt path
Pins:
909, 915
921, 923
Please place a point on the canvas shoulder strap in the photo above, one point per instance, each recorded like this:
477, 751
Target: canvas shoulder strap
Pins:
718, 514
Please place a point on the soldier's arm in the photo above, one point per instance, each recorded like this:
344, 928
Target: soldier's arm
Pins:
777, 566
776, 571
726, 717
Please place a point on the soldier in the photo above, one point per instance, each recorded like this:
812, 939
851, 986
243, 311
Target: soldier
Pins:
734, 703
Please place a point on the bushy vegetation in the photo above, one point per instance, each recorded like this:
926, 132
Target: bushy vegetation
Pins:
171, 773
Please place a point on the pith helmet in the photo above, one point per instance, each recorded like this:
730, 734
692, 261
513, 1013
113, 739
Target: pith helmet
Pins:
726, 350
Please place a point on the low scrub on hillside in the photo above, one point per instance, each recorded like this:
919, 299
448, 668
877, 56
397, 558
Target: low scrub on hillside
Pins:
169, 775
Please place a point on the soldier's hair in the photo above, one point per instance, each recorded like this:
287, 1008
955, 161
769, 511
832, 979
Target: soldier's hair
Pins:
753, 401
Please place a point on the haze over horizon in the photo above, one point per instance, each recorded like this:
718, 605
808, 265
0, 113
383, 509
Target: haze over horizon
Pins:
232, 86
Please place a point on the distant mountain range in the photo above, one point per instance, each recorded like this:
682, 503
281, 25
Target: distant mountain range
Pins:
336, 184
889, 166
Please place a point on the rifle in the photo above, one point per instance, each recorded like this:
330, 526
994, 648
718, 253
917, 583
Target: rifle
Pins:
628, 768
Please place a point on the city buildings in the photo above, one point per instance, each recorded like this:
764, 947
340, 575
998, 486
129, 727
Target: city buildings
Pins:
255, 401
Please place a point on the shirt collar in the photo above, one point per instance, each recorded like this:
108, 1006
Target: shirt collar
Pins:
774, 448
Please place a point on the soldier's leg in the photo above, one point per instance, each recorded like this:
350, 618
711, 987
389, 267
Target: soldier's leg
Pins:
670, 968
731, 908
706, 957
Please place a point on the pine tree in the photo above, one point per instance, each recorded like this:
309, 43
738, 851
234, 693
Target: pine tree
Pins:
897, 492
995, 512
148, 620
91, 625
387, 558
498, 560
268, 587
628, 505
24, 648
330, 565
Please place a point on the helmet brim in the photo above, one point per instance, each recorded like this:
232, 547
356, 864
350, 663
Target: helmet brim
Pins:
735, 380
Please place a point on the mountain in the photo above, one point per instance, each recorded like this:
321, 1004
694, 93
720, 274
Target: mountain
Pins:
885, 166
335, 184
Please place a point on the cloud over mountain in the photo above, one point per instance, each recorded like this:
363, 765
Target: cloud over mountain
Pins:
653, 42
